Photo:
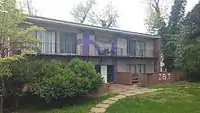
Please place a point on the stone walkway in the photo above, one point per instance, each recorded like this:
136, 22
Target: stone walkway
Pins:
101, 107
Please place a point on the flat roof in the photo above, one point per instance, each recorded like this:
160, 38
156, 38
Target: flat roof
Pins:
79, 25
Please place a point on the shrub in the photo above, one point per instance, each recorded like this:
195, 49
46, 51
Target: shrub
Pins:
191, 63
54, 80
85, 69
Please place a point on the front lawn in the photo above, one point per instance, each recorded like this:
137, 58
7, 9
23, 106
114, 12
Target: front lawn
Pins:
82, 105
177, 98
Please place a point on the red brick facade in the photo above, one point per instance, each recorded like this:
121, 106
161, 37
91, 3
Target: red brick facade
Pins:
159, 78
101, 90
124, 78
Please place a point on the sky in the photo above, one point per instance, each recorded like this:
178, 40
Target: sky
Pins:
132, 13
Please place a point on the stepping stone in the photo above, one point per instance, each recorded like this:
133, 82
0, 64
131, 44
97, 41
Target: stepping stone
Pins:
120, 96
130, 91
98, 110
108, 102
124, 93
102, 106
129, 94
114, 98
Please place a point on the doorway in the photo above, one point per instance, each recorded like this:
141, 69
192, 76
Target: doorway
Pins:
108, 75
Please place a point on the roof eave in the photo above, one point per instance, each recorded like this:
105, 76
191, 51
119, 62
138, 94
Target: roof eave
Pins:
89, 27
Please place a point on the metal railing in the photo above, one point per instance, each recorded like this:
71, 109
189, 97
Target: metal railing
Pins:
56, 48
124, 52
73, 49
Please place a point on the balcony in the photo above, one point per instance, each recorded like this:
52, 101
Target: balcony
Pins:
57, 48
73, 49
124, 53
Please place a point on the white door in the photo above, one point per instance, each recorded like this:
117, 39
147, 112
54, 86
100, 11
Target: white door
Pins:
104, 73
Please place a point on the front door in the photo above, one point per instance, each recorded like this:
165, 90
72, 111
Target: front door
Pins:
102, 69
110, 73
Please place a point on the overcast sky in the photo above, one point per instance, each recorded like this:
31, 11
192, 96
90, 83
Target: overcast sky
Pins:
131, 12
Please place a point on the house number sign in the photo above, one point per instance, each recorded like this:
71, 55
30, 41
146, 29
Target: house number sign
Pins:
164, 76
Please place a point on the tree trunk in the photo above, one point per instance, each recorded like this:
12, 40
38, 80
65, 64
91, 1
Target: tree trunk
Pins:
2, 95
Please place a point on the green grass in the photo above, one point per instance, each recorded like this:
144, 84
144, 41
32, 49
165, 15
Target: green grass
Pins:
80, 106
177, 98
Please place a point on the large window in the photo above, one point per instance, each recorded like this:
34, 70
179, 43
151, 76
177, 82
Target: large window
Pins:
47, 38
68, 42
140, 51
131, 47
137, 68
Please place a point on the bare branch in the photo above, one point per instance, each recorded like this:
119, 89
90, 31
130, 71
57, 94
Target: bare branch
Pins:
108, 17
82, 11
28, 5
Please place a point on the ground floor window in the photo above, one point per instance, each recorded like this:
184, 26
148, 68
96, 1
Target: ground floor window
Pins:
137, 68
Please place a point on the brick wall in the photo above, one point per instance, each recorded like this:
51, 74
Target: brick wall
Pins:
159, 78
101, 90
124, 78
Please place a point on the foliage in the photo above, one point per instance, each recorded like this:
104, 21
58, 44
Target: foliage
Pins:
84, 69
172, 35
191, 62
82, 11
170, 31
1, 7
28, 7
157, 15
106, 18
74, 105
155, 23
190, 45
12, 36
54, 80
16, 38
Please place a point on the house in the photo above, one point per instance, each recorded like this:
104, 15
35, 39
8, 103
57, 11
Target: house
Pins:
113, 52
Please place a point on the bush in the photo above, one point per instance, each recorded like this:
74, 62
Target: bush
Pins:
191, 63
54, 80
84, 69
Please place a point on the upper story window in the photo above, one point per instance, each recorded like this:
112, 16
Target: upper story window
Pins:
140, 48
48, 39
68, 42
131, 47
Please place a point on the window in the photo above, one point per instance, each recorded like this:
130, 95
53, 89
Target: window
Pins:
140, 48
68, 42
48, 41
131, 47
137, 68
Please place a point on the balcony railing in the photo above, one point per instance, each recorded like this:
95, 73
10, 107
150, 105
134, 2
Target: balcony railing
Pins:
72, 49
57, 48
124, 52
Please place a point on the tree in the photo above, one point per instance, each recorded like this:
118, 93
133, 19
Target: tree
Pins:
30, 8
107, 18
190, 61
168, 30
14, 39
157, 15
82, 11
176, 16
1, 7
170, 39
